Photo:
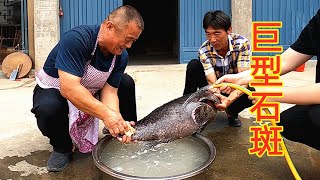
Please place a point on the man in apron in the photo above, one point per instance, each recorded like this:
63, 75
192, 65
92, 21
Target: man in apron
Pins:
83, 81
222, 53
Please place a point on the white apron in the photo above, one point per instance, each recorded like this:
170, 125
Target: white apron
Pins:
83, 128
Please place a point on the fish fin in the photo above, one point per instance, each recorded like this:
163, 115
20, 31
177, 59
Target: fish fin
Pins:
164, 141
105, 131
150, 144
202, 128
156, 142
160, 141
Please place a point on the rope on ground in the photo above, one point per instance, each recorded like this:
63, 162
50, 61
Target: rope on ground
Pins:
16, 87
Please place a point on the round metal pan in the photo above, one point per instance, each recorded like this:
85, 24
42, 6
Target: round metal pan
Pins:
205, 142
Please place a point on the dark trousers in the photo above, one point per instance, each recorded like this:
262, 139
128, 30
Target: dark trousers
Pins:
302, 124
51, 111
195, 78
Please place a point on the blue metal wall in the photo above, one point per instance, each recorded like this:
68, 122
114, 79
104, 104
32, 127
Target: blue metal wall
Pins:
192, 35
294, 14
77, 12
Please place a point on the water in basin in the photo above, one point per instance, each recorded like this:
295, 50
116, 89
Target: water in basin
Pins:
144, 160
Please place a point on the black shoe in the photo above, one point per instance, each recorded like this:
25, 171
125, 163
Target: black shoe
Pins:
235, 122
58, 161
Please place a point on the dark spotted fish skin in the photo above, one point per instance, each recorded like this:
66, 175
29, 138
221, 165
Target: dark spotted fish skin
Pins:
178, 118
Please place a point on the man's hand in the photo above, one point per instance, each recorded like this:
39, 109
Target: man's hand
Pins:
113, 120
227, 101
126, 138
115, 123
242, 78
224, 102
215, 90
254, 100
226, 89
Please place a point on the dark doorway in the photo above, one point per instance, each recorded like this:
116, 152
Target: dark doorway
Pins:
158, 43
10, 27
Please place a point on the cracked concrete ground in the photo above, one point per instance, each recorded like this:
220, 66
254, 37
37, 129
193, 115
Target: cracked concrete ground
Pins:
24, 151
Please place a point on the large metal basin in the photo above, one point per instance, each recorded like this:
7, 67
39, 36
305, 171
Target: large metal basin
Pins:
206, 144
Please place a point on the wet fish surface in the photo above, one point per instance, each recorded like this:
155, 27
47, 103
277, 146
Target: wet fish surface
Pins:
178, 118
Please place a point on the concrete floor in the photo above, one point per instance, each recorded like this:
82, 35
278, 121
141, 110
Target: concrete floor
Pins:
24, 151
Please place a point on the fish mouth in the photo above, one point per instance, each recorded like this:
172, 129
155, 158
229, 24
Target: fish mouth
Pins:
208, 102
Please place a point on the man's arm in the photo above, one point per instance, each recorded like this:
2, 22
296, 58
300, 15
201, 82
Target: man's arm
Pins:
225, 102
211, 78
297, 95
290, 59
242, 78
243, 64
71, 89
109, 97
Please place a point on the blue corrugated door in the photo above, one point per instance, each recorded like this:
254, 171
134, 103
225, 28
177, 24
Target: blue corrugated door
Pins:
24, 27
294, 15
192, 35
78, 12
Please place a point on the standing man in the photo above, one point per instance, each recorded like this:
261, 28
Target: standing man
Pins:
223, 53
87, 65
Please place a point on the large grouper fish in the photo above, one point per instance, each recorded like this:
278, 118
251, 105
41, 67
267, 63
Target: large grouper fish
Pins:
178, 118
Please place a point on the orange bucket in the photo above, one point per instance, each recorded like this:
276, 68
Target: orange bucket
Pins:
300, 68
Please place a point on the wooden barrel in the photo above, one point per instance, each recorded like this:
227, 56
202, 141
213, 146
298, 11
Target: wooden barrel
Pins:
11, 62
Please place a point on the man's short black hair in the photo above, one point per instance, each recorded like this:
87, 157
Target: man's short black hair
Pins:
217, 20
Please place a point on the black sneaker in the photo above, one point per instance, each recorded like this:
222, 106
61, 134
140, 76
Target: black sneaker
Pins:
58, 161
235, 122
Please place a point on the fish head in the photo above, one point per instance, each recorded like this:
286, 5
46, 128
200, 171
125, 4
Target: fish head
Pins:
205, 110
202, 104
204, 95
